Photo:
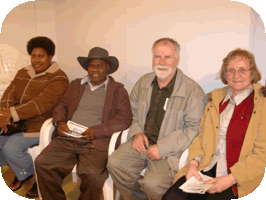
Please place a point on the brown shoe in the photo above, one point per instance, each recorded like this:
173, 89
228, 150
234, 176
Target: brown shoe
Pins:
33, 192
15, 185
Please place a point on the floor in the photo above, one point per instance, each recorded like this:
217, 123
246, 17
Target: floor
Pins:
71, 189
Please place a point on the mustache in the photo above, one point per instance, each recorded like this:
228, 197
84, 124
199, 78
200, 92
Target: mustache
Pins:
161, 67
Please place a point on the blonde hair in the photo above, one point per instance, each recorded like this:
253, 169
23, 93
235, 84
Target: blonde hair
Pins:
244, 54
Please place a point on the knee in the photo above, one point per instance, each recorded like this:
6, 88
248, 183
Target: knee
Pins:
150, 185
10, 149
112, 163
39, 161
152, 188
169, 195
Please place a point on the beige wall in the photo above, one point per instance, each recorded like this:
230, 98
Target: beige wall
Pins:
207, 30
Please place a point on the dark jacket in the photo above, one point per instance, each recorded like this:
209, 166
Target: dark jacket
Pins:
117, 114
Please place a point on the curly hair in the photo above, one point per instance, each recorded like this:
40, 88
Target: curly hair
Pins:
244, 54
165, 40
44, 42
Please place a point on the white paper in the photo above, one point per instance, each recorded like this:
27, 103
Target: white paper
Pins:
76, 129
165, 104
193, 185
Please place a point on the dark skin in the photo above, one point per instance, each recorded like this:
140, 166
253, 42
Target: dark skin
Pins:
40, 60
97, 71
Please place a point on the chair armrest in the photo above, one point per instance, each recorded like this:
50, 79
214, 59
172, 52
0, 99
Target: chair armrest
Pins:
46, 133
124, 136
114, 140
183, 159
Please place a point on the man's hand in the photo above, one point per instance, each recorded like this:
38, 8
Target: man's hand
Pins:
89, 134
221, 183
138, 142
62, 126
193, 170
153, 152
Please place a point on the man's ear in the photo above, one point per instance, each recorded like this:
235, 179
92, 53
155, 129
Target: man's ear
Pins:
177, 62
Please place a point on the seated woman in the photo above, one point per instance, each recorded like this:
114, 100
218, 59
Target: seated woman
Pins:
231, 145
31, 96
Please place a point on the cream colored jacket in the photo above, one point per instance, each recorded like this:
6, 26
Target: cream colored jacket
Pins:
250, 168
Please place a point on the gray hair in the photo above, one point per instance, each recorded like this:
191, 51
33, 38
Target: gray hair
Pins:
165, 41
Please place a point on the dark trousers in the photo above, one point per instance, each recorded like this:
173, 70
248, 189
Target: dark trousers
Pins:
58, 159
175, 193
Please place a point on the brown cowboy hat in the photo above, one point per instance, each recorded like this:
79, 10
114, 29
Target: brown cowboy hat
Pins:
100, 53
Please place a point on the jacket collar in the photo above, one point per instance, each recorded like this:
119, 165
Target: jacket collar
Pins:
86, 79
238, 98
52, 69
219, 94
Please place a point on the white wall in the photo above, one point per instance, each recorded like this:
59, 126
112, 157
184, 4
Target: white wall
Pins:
258, 42
19, 26
207, 30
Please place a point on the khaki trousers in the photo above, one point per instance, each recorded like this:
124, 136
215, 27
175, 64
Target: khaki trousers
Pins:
125, 165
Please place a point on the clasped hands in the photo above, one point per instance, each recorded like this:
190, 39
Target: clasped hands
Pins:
62, 126
5, 115
220, 183
141, 144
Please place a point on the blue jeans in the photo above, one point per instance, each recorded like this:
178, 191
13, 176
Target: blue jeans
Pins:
14, 151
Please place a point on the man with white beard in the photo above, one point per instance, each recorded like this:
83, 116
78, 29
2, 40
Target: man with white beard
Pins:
167, 108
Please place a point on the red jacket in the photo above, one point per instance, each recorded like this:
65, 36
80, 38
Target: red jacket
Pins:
117, 114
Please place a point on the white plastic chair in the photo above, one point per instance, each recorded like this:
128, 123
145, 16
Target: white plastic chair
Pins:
46, 137
11, 60
124, 138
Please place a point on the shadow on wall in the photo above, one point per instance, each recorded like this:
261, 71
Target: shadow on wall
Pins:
130, 74
210, 82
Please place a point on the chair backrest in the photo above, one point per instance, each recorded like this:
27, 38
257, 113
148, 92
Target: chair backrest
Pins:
183, 159
46, 133
11, 60
124, 136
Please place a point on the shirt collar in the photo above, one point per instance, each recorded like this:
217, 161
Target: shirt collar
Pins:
168, 86
87, 79
238, 98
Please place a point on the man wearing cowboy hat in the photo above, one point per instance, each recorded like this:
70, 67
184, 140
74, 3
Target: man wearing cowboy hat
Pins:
97, 102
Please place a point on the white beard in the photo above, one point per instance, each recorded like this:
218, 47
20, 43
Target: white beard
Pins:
163, 75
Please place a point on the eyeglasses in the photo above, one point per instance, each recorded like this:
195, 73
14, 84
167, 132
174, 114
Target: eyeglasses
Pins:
241, 71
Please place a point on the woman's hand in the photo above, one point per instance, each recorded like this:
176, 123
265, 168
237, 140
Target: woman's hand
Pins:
221, 183
193, 170
5, 113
